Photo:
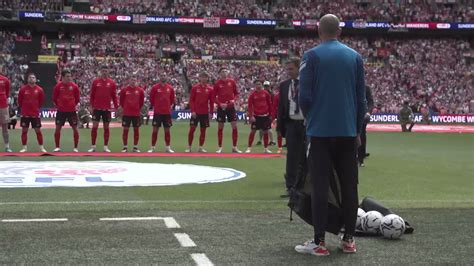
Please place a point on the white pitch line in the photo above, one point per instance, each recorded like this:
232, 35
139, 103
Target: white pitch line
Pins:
201, 259
184, 240
34, 220
131, 219
170, 222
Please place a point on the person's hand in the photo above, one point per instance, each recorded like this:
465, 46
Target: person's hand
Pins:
367, 115
210, 116
358, 141
224, 106
193, 114
252, 119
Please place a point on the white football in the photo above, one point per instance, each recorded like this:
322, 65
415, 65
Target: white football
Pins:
392, 226
371, 222
360, 214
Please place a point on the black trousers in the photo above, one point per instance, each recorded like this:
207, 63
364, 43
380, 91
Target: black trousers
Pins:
362, 150
325, 156
295, 144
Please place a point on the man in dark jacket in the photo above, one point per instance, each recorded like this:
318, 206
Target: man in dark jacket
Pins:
290, 122
362, 150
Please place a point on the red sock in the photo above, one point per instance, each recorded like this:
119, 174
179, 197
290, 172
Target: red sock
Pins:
136, 135
57, 137
125, 136
39, 137
93, 135
235, 135
191, 135
280, 140
106, 136
202, 137
24, 137
219, 136
251, 138
76, 137
265, 140
167, 137
154, 137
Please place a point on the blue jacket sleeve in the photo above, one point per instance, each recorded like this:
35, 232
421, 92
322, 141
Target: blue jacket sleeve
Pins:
308, 70
360, 93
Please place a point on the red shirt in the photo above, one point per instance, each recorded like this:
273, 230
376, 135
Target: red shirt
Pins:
30, 100
132, 100
225, 91
276, 101
201, 100
260, 103
4, 91
66, 96
103, 91
162, 98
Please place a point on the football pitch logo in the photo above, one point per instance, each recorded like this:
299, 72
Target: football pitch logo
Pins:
109, 173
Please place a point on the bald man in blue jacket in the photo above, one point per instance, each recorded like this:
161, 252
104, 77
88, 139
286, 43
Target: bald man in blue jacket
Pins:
332, 99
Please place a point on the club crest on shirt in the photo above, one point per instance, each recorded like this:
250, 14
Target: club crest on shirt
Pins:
70, 88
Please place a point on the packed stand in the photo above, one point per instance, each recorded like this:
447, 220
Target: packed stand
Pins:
32, 5
392, 11
224, 46
118, 44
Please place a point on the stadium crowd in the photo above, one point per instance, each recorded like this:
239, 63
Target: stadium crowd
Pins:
423, 71
33, 5
394, 11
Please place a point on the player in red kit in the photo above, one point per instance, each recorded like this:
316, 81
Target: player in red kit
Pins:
275, 102
4, 112
201, 103
132, 99
103, 92
66, 98
260, 111
30, 100
225, 95
162, 99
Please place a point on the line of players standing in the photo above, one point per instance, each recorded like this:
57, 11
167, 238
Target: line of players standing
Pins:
103, 99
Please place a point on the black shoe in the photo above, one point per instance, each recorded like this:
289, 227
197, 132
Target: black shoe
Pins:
258, 143
272, 143
367, 154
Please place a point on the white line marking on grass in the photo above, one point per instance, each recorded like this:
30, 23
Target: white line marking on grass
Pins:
131, 219
184, 240
206, 202
201, 259
170, 222
34, 220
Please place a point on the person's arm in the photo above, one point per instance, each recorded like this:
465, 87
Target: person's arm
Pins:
114, 95
370, 100
215, 92
20, 98
250, 106
172, 98
269, 102
55, 95
360, 93
236, 93
92, 95
308, 72
280, 110
192, 98
41, 98
211, 103
142, 98
7, 88
122, 97
152, 97
77, 95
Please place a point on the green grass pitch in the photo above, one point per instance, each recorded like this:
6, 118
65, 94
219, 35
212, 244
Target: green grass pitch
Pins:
426, 178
